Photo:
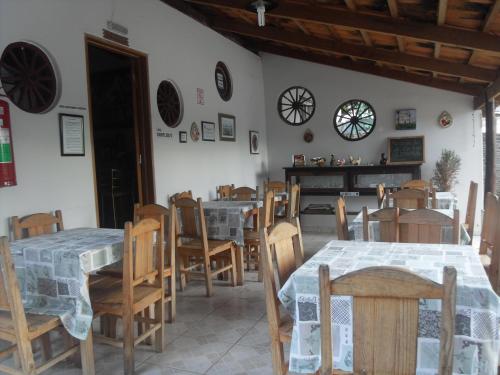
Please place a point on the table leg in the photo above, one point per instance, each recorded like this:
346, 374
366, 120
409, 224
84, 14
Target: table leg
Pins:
87, 353
240, 265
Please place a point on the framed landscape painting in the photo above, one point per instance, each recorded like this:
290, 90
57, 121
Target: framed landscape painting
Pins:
227, 127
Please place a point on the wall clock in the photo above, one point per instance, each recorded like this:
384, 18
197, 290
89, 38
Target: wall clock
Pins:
354, 120
169, 102
296, 105
223, 81
29, 77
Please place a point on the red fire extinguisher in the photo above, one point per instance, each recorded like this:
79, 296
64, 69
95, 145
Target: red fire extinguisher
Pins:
7, 166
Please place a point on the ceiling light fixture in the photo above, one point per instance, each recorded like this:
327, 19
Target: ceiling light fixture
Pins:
260, 7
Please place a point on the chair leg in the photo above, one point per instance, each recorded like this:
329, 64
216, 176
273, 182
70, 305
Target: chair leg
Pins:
148, 313
182, 274
172, 304
187, 274
208, 276
260, 265
278, 357
159, 317
46, 346
25, 353
128, 343
233, 268
112, 321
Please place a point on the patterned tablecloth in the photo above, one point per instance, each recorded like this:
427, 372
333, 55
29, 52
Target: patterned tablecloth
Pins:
478, 307
445, 200
356, 228
53, 271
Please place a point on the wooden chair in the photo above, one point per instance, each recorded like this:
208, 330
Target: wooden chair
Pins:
417, 185
385, 318
181, 195
470, 214
488, 228
285, 242
410, 198
223, 192
278, 187
380, 195
21, 329
37, 224
388, 219
342, 224
293, 202
193, 245
142, 286
245, 193
426, 226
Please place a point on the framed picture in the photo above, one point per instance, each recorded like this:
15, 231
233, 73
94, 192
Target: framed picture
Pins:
183, 137
406, 119
71, 132
406, 150
299, 160
227, 127
254, 142
208, 131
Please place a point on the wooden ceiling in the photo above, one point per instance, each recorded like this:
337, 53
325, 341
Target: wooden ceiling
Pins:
448, 44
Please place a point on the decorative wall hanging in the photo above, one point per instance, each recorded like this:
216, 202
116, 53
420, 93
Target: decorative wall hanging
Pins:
308, 136
406, 119
200, 96
208, 131
254, 142
223, 81
195, 132
71, 132
354, 120
296, 105
183, 137
445, 120
29, 77
169, 102
227, 127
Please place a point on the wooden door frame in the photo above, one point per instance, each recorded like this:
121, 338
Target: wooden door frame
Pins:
142, 115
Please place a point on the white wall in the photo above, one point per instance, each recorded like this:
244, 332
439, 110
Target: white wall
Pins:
332, 86
179, 48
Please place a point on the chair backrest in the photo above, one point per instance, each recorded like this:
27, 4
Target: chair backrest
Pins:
342, 224
416, 184
37, 224
224, 191
244, 193
388, 224
275, 186
411, 198
191, 222
385, 318
141, 263
426, 226
150, 211
470, 214
490, 218
380, 194
181, 195
293, 202
268, 210
493, 270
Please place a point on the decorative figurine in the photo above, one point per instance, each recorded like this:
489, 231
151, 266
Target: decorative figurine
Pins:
318, 162
332, 160
383, 159
340, 162
355, 161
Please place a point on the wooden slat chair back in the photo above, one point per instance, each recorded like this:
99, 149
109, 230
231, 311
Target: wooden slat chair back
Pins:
341, 217
37, 224
293, 202
244, 193
380, 195
187, 217
470, 214
491, 214
385, 318
275, 186
268, 210
426, 226
285, 242
224, 191
410, 198
181, 195
388, 219
416, 184
20, 329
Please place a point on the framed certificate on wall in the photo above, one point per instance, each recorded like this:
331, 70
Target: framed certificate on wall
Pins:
71, 132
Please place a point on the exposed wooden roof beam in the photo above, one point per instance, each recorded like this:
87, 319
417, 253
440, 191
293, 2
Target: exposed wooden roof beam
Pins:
441, 18
493, 12
393, 9
345, 18
369, 53
364, 34
491, 92
372, 69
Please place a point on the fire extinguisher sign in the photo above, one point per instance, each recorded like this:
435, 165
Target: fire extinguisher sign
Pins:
7, 166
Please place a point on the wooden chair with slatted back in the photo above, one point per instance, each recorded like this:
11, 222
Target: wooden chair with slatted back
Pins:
278, 187
37, 224
470, 214
410, 198
416, 184
183, 194
293, 202
341, 217
244, 193
388, 221
380, 195
426, 226
275, 186
194, 244
224, 191
385, 318
142, 286
20, 329
285, 242
491, 214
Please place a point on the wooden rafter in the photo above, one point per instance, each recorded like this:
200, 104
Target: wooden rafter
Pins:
393, 10
441, 19
495, 8
369, 53
379, 24
491, 92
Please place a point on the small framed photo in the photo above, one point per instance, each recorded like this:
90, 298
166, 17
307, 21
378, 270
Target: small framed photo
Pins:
208, 131
254, 142
299, 160
406, 119
71, 133
183, 137
227, 127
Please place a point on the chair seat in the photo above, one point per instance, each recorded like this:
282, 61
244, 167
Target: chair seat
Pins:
37, 324
194, 247
285, 329
104, 279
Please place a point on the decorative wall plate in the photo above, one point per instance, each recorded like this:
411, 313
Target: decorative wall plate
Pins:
354, 120
296, 105
29, 77
169, 102
195, 132
308, 136
223, 81
445, 120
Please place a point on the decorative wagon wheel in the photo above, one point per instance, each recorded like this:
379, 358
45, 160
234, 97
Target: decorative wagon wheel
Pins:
354, 120
296, 105
28, 77
169, 102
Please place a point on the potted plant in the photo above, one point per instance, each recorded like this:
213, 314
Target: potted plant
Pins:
446, 171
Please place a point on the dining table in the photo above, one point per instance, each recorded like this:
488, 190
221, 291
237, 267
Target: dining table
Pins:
476, 341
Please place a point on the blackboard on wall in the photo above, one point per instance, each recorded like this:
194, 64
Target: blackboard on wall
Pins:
406, 150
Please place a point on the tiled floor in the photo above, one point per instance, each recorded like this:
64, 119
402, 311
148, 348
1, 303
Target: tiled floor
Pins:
226, 334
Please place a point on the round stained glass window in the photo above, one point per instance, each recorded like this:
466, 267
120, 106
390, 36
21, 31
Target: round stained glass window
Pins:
354, 120
296, 105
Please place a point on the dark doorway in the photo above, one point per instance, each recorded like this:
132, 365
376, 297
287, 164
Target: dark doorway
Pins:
121, 141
